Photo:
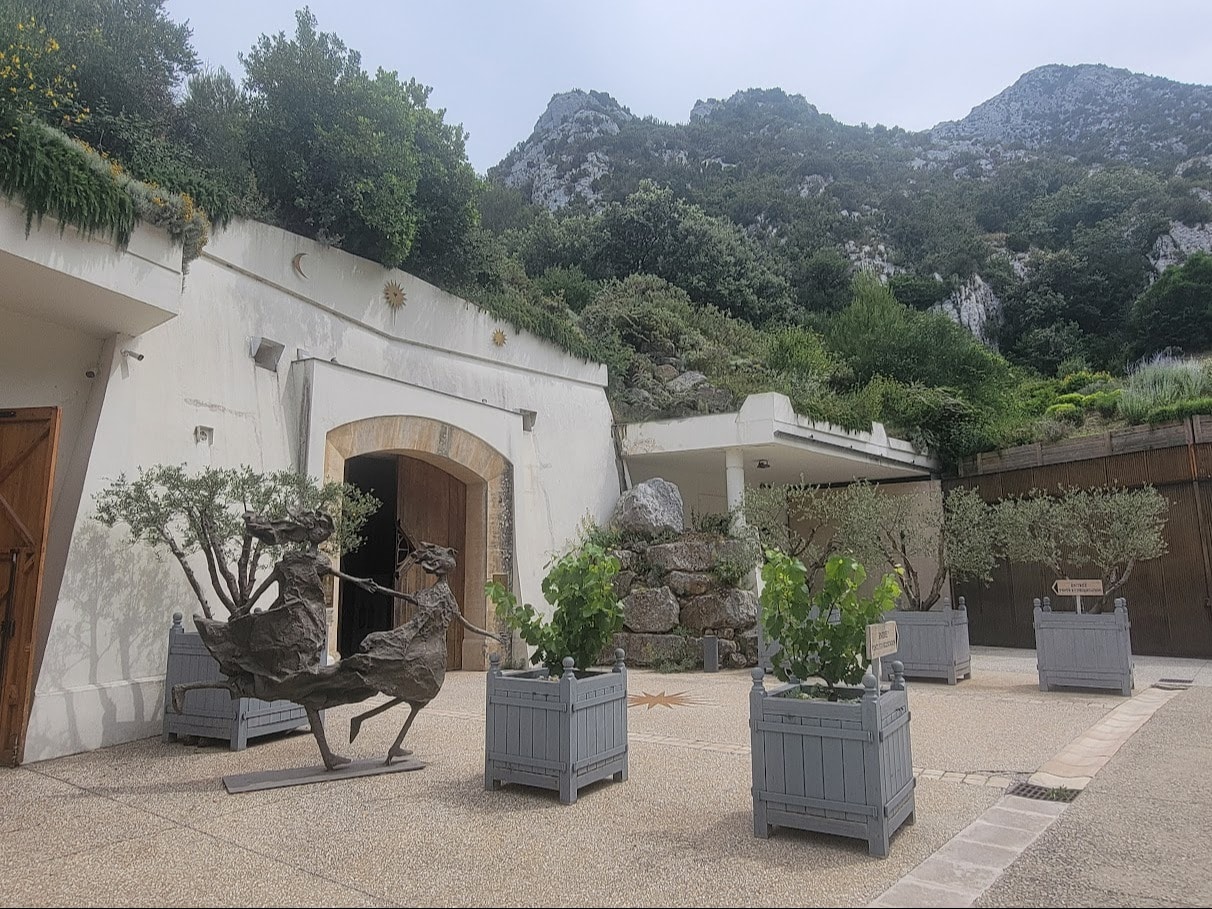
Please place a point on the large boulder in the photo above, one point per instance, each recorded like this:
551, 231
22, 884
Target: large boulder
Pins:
627, 558
721, 609
651, 610
691, 583
622, 583
683, 555
697, 555
649, 509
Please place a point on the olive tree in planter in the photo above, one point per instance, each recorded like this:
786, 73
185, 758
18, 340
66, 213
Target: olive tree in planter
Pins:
1103, 531
960, 539
199, 518
830, 757
560, 726
906, 532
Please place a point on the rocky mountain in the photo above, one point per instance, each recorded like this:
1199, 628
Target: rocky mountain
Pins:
1036, 220
548, 163
1095, 113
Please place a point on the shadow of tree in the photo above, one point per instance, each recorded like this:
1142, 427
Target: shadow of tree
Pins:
109, 639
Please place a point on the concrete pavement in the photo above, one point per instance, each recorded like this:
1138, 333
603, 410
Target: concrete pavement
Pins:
1137, 835
150, 824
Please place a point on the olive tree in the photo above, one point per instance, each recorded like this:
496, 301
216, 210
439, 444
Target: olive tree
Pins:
203, 513
914, 532
1104, 528
885, 528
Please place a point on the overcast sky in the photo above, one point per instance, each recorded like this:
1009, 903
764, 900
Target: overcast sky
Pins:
494, 65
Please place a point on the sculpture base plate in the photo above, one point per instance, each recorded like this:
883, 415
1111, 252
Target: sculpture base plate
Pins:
299, 776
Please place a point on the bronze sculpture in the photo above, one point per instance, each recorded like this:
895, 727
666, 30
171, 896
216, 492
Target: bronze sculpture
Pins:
279, 652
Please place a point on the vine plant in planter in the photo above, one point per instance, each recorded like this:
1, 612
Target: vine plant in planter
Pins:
587, 611
560, 726
853, 769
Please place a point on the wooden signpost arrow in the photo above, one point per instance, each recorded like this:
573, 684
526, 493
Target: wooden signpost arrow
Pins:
1078, 588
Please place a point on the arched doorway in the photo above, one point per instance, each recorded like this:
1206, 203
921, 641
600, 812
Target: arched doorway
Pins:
450, 488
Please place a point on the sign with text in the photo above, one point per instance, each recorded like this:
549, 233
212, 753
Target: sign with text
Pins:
1072, 587
881, 640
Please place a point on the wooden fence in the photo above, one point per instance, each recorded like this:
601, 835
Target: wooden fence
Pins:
1170, 598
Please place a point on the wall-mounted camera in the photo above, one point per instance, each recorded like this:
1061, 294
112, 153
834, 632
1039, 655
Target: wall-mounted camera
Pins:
90, 373
133, 354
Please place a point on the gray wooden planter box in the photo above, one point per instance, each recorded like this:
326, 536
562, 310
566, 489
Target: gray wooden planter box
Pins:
933, 644
843, 767
211, 712
561, 734
1084, 650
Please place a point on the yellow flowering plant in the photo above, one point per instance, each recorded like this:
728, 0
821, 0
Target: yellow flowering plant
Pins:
34, 78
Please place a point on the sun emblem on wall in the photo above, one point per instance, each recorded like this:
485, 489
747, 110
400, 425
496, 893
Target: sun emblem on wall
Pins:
393, 295
499, 338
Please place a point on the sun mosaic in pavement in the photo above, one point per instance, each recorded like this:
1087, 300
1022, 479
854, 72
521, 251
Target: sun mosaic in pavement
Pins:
676, 699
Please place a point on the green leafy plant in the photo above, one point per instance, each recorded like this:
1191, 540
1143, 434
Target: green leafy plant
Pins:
586, 611
733, 572
203, 512
1161, 381
64, 178
822, 635
1183, 409
711, 522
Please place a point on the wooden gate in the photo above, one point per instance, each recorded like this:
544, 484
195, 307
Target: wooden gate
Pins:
28, 442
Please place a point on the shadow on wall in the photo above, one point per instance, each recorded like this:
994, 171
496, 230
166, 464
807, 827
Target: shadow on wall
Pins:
108, 642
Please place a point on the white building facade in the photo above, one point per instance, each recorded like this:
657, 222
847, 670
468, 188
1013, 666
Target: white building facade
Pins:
275, 352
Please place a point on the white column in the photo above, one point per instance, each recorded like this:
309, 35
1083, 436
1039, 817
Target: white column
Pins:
734, 479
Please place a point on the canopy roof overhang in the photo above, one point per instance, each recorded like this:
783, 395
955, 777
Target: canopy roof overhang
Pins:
53, 273
775, 445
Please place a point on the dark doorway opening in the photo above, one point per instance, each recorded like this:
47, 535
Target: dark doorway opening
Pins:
363, 612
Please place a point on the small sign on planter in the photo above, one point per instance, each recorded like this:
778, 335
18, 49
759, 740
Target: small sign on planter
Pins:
882, 640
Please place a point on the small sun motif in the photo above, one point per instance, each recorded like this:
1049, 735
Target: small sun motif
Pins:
677, 699
498, 338
393, 295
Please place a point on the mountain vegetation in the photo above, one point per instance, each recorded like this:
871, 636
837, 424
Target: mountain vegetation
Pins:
1038, 269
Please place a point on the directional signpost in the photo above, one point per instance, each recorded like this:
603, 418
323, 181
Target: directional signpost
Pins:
882, 640
1077, 588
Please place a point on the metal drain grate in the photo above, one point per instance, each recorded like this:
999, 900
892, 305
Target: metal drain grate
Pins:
1043, 793
1174, 683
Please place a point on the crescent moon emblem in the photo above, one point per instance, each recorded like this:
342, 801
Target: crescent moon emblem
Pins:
297, 264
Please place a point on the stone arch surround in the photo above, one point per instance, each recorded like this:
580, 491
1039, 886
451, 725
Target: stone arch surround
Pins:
487, 474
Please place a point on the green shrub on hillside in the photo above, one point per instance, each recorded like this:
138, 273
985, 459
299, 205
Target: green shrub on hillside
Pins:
1068, 413
1180, 411
1161, 382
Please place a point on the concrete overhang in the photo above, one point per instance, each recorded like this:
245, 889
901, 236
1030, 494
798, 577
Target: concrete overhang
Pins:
60, 276
769, 432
